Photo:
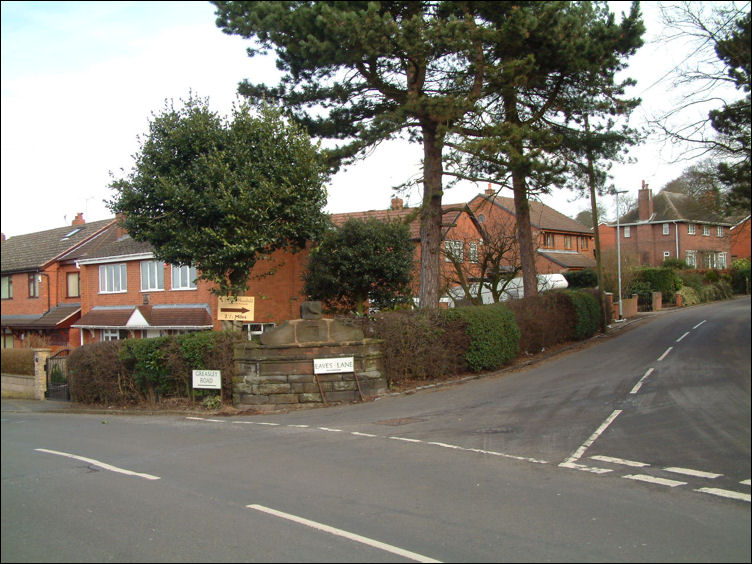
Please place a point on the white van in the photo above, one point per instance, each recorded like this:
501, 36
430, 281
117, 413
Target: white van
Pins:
514, 290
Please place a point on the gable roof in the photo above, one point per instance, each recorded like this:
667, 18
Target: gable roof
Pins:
183, 316
34, 251
674, 206
541, 216
111, 243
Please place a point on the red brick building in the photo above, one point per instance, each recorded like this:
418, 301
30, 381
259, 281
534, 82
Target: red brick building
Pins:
671, 225
741, 242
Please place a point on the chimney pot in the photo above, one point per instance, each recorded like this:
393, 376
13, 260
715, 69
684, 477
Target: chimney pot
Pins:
79, 219
490, 191
397, 203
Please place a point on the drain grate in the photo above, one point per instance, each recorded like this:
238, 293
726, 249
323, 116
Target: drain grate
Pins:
399, 421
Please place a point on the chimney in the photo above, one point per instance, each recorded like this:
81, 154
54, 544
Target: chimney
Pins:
79, 219
120, 231
645, 202
490, 191
2, 237
396, 203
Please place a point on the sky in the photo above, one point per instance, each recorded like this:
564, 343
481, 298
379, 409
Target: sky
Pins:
80, 81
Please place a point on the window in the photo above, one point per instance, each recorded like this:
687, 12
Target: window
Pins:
627, 232
719, 231
705, 231
666, 228
112, 278
691, 229
34, 285
721, 260
666, 254
473, 248
184, 277
567, 241
691, 259
152, 275
548, 239
585, 242
453, 251
7, 288
73, 280
113, 334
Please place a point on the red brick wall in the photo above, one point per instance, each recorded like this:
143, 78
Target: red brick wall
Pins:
740, 241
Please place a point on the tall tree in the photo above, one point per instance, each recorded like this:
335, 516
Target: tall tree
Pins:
221, 194
558, 60
364, 72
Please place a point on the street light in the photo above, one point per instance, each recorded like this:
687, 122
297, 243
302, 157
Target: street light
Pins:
618, 249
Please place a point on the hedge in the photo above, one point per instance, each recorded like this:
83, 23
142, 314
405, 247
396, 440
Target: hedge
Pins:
17, 361
587, 312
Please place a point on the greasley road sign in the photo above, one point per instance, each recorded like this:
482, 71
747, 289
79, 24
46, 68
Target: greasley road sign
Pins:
236, 308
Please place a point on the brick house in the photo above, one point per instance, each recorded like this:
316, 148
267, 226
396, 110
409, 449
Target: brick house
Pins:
671, 225
741, 242
41, 290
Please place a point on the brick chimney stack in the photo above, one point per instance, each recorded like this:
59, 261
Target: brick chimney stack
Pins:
120, 230
490, 191
79, 219
397, 203
645, 202
2, 237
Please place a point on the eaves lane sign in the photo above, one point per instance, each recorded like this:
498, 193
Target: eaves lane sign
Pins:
238, 308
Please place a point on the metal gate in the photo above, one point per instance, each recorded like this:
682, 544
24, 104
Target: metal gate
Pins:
57, 376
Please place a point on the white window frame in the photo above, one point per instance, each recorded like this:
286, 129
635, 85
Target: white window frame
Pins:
721, 260
183, 277
627, 232
473, 251
706, 231
719, 231
691, 258
549, 241
113, 278
691, 229
666, 229
7, 287
152, 276
666, 254
109, 334
567, 241
454, 251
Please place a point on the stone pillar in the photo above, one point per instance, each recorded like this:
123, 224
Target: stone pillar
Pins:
657, 301
40, 374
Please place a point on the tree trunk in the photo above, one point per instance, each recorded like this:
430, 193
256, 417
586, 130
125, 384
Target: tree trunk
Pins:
430, 217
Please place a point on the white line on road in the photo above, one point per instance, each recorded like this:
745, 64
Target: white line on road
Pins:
593, 469
746, 482
359, 434
690, 472
406, 440
680, 338
700, 323
619, 461
205, 419
639, 383
665, 354
330, 430
102, 465
654, 480
580, 451
346, 534
725, 493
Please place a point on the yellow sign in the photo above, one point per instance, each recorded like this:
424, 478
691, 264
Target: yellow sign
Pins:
236, 308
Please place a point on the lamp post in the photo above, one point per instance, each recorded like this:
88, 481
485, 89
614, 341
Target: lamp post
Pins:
618, 249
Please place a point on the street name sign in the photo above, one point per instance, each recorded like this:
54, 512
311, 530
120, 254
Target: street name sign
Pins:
211, 379
333, 365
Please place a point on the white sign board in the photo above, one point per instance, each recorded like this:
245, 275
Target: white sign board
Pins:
236, 308
333, 365
207, 379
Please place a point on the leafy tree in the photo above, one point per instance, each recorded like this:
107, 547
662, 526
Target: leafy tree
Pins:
362, 261
222, 194
364, 72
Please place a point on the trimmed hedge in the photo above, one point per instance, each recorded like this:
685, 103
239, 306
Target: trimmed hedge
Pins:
587, 312
17, 361
494, 335
586, 278
663, 280
544, 320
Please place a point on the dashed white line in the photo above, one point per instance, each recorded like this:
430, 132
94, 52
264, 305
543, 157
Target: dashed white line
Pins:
102, 465
405, 439
205, 419
619, 461
641, 380
654, 480
746, 482
680, 338
700, 323
359, 434
330, 429
346, 534
665, 354
725, 493
690, 472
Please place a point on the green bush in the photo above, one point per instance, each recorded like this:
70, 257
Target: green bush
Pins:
96, 375
587, 314
689, 296
586, 278
494, 335
17, 361
663, 280
720, 290
740, 276
544, 320
693, 279
675, 263
145, 360
712, 276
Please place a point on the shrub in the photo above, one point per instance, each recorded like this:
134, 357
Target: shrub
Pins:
586, 278
675, 264
494, 335
712, 276
144, 359
689, 296
740, 276
587, 314
17, 361
544, 320
96, 375
694, 280
720, 290
663, 280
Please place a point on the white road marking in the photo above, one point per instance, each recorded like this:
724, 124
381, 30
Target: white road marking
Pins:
580, 451
700, 323
359, 434
639, 383
680, 338
690, 472
619, 461
592, 469
654, 480
205, 419
746, 482
725, 493
300, 426
665, 354
406, 440
346, 534
330, 430
102, 465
